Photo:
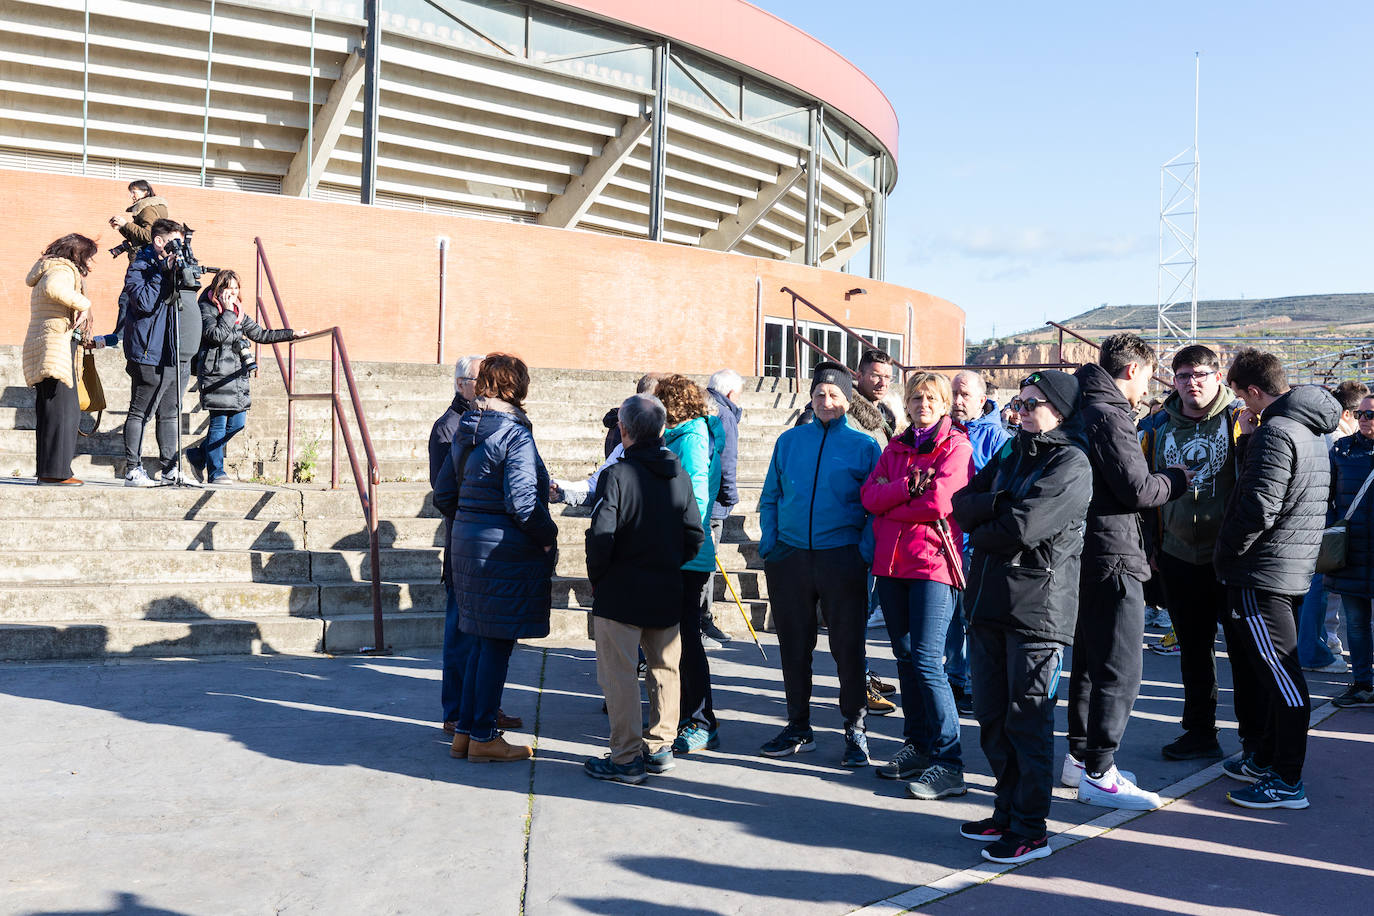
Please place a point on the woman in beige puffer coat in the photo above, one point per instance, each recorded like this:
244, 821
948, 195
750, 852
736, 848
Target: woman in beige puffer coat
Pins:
57, 307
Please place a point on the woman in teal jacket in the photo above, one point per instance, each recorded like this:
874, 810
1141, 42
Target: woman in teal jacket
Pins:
698, 440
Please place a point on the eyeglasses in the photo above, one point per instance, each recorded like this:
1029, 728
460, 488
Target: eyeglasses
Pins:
1363, 414
1198, 375
1025, 404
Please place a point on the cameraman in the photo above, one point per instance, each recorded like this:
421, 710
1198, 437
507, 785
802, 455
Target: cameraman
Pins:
145, 208
151, 293
224, 366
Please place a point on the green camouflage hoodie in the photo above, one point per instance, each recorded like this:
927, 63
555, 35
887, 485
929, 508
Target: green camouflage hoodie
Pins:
1207, 447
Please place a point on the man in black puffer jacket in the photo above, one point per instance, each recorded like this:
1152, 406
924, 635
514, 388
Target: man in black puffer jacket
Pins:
1111, 598
1266, 554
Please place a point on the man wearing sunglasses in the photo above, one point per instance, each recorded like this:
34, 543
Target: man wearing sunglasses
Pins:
1111, 596
1197, 428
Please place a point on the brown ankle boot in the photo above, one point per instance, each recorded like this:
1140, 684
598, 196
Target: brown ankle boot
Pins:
497, 751
460, 746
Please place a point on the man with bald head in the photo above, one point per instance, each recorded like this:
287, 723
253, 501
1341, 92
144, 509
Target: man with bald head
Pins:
987, 436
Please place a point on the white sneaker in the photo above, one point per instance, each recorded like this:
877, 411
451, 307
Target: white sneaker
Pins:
876, 619
1336, 666
137, 477
1114, 790
1072, 773
1162, 619
171, 477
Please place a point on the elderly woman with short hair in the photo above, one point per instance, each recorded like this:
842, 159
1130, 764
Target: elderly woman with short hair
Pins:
501, 545
917, 559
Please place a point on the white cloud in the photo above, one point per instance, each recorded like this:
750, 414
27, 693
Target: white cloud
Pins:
1037, 244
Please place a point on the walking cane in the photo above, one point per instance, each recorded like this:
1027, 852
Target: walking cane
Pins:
740, 604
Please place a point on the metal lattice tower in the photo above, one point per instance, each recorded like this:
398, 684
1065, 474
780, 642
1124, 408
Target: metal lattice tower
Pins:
1176, 285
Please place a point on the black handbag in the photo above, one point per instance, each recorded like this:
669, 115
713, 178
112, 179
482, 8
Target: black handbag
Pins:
1336, 538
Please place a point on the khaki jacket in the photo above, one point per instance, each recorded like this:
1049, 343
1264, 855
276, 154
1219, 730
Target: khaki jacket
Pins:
139, 229
58, 303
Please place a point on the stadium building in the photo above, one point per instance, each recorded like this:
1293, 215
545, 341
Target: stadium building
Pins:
614, 184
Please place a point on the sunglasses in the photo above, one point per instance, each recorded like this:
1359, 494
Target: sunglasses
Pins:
1363, 414
1025, 404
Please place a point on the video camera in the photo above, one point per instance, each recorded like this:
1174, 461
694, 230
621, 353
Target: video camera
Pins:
185, 270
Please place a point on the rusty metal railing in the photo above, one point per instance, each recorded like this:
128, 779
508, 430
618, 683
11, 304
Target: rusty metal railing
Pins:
338, 423
799, 339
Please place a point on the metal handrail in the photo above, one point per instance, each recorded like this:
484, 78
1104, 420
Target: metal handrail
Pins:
338, 422
798, 339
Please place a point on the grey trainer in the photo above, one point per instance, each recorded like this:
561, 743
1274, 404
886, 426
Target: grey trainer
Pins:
939, 781
907, 763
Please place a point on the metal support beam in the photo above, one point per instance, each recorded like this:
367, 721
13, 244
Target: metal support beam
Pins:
813, 188
568, 208
372, 54
877, 222
845, 252
835, 232
658, 142
732, 229
304, 174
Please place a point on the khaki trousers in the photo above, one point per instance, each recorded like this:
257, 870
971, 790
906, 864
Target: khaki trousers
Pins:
617, 657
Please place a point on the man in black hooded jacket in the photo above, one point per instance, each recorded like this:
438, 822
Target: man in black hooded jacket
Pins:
1266, 553
1111, 598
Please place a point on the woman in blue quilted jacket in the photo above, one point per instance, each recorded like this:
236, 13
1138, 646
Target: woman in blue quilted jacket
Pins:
502, 545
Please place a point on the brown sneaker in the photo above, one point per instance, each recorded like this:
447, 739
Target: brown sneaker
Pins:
878, 704
497, 751
460, 746
448, 727
507, 723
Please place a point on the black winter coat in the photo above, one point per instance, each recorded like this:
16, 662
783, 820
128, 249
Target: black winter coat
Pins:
1122, 483
645, 525
1272, 530
1352, 458
224, 381
496, 488
1024, 516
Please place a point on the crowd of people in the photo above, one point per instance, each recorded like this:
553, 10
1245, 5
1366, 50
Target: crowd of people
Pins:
170, 330
986, 548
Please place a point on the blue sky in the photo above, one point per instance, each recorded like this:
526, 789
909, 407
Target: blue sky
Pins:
1032, 137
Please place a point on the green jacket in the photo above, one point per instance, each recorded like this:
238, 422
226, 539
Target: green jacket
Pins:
1186, 528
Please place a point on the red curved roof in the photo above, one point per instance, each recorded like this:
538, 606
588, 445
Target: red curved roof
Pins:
755, 38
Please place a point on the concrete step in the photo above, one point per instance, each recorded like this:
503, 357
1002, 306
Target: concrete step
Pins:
40, 640
105, 499
283, 567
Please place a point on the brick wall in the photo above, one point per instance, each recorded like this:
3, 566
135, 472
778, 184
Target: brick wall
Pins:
558, 298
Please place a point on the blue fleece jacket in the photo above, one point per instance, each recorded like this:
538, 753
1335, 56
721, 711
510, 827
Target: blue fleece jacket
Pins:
692, 442
987, 436
810, 498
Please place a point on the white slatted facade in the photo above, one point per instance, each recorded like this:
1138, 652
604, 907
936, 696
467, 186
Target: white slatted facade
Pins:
468, 124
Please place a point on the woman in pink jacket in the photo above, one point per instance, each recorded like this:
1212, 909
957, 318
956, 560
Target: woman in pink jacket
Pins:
909, 494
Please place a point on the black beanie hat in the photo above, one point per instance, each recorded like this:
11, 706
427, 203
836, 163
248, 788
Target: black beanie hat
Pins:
833, 373
1060, 389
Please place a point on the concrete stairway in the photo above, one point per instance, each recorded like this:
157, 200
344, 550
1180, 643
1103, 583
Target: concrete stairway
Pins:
105, 570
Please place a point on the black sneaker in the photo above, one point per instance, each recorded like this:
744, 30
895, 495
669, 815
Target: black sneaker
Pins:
1012, 849
1356, 695
963, 701
1194, 745
790, 741
907, 763
716, 633
984, 831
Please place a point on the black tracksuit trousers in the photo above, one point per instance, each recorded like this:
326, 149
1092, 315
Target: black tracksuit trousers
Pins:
1265, 669
1015, 688
1106, 666
838, 579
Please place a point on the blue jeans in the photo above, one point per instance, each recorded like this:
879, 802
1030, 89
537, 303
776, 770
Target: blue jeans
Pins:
484, 677
223, 427
1359, 638
956, 643
1312, 650
457, 647
917, 613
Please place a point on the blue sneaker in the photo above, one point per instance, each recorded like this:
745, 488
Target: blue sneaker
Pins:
605, 768
1246, 770
1270, 793
855, 748
661, 762
694, 738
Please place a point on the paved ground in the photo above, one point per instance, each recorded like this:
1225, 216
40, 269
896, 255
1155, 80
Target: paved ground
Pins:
307, 784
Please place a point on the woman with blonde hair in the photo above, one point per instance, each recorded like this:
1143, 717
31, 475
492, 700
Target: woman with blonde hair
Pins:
59, 313
917, 561
697, 438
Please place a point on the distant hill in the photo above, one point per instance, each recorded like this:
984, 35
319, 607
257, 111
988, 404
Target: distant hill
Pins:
1335, 313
